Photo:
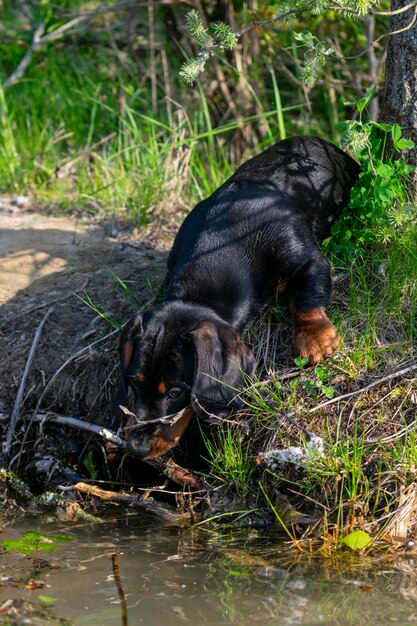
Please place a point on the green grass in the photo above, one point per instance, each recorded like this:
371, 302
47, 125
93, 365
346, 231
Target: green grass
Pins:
95, 146
370, 438
231, 465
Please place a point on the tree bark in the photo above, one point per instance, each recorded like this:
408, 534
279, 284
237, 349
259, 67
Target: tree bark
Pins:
399, 102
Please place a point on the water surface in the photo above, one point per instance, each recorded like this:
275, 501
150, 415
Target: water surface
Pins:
174, 575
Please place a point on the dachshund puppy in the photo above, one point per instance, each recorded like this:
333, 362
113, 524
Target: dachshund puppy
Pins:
259, 232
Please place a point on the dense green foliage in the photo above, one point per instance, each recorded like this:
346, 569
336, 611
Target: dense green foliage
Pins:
101, 118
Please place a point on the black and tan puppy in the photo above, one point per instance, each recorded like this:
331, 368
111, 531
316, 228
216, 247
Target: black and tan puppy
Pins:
259, 232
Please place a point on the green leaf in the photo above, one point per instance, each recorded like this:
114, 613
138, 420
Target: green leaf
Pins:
300, 361
328, 392
34, 540
305, 37
33, 535
385, 127
404, 144
357, 540
364, 101
396, 133
47, 599
341, 127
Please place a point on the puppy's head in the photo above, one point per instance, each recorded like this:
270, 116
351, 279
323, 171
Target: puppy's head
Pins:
180, 360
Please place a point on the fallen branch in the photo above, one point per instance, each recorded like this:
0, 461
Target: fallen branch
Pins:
132, 501
19, 396
73, 422
36, 44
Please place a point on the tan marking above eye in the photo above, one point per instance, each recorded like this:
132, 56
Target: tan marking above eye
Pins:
162, 388
140, 377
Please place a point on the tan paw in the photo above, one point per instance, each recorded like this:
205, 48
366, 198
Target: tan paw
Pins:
315, 337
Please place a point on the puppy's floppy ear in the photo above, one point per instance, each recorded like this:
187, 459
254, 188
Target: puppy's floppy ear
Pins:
221, 362
130, 333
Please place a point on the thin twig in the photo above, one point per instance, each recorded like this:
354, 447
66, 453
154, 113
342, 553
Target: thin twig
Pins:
19, 396
395, 11
409, 25
166, 420
182, 477
364, 389
118, 581
54, 377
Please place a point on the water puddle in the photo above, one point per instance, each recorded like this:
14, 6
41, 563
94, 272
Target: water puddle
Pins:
171, 575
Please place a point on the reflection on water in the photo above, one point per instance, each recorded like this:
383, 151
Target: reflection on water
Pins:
173, 576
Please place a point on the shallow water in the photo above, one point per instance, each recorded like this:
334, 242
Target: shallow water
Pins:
174, 575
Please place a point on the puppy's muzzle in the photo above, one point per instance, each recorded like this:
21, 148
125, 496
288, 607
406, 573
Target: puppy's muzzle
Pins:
152, 439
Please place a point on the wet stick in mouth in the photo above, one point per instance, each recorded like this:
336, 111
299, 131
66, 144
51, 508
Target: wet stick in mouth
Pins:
162, 438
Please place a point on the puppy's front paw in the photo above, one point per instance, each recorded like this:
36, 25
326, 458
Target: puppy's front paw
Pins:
315, 337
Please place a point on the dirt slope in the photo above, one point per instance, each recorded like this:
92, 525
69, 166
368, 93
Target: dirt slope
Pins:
43, 261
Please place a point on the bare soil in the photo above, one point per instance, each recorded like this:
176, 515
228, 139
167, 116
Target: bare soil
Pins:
51, 262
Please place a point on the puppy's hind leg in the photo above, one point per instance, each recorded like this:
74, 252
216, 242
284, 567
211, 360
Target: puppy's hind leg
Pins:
315, 337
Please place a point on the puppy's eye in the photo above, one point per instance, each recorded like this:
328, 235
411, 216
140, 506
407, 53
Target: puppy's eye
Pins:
174, 392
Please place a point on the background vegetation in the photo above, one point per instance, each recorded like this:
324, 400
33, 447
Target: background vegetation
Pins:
101, 119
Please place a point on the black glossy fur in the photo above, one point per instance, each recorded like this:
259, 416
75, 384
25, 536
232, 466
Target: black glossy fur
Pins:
261, 228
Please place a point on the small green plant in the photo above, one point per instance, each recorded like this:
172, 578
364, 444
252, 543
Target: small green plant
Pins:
316, 382
90, 465
379, 198
35, 540
98, 311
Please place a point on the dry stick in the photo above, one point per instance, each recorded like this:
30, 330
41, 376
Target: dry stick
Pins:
73, 422
19, 397
132, 501
184, 477
118, 581
36, 44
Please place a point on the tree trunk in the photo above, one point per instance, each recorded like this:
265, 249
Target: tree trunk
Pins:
399, 102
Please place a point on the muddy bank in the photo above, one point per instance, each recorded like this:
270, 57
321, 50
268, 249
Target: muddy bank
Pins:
58, 355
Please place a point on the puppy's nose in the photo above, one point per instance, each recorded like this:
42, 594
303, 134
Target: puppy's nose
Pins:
136, 448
